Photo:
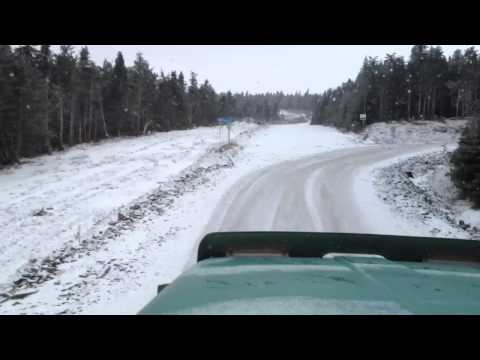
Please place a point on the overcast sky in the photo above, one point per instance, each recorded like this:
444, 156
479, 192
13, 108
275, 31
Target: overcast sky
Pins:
259, 68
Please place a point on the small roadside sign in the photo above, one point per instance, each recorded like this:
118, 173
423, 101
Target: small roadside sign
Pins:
226, 120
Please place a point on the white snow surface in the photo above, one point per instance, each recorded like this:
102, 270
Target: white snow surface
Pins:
82, 189
467, 214
415, 132
420, 191
412, 215
380, 213
293, 116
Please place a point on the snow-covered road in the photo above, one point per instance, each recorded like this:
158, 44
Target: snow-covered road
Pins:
325, 192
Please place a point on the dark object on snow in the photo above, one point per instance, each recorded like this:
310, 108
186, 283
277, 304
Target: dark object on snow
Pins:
463, 225
161, 287
40, 212
21, 295
440, 129
122, 217
409, 174
4, 297
107, 270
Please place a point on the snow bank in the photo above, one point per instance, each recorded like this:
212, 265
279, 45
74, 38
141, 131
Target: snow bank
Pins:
415, 132
80, 188
419, 190
464, 212
293, 116
287, 142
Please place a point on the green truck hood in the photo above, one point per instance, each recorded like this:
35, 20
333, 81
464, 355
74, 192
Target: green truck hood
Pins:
338, 285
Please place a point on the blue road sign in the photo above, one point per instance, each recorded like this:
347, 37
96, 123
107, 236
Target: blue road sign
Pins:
227, 120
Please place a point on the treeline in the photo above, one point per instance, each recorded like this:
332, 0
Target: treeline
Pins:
266, 106
49, 101
428, 86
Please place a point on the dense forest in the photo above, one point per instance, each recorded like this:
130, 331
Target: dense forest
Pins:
267, 106
49, 101
427, 86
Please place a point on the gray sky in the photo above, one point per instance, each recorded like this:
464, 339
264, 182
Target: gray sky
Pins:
259, 68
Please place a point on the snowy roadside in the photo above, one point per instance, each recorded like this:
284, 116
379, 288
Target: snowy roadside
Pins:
415, 132
72, 203
420, 190
416, 187
116, 266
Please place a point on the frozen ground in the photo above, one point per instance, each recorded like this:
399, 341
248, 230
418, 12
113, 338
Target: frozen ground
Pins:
80, 188
123, 216
293, 116
419, 188
415, 132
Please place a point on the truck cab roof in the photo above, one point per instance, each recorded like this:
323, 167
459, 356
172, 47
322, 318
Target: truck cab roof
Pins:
242, 282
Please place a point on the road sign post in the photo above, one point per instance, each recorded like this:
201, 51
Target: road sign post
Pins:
228, 122
363, 119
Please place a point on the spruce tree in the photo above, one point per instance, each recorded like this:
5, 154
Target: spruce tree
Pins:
63, 88
44, 64
8, 111
193, 101
466, 162
29, 95
118, 96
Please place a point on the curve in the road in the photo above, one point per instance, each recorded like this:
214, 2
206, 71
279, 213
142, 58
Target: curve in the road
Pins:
316, 193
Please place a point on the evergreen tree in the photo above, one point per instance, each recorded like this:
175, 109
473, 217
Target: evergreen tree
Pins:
29, 87
63, 87
208, 104
142, 94
85, 96
117, 110
193, 101
466, 163
8, 110
44, 64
